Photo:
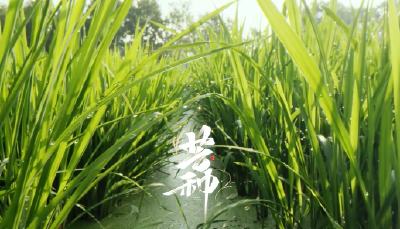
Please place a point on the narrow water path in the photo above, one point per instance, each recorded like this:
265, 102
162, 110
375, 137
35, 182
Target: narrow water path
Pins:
179, 211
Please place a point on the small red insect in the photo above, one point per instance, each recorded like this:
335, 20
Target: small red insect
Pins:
212, 157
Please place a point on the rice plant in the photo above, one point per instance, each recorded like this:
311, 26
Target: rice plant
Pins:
317, 103
305, 113
79, 122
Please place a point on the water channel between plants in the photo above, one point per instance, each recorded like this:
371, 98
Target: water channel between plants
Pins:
137, 212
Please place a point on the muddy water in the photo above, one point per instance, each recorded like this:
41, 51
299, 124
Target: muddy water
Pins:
166, 210
179, 211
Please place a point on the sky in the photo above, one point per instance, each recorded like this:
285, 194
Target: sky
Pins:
248, 9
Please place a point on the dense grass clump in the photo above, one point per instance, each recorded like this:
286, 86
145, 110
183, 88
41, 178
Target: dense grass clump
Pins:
317, 105
80, 124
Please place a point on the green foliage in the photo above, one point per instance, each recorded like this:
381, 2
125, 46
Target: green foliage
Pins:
317, 103
139, 14
78, 122
306, 111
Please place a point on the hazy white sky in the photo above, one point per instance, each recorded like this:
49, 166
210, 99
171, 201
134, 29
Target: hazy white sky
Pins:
248, 9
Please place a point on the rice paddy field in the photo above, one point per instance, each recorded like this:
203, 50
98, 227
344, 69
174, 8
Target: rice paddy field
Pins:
304, 115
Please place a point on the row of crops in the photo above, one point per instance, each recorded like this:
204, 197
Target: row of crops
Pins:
304, 114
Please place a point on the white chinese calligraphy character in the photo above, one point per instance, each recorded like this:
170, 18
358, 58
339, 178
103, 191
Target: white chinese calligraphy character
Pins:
199, 155
189, 185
